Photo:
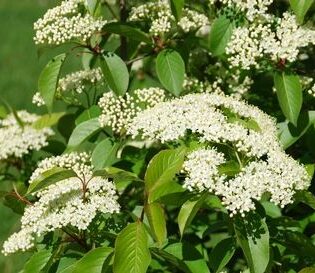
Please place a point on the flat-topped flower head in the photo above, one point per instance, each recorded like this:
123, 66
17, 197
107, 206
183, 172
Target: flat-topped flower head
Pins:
275, 39
17, 139
161, 21
251, 149
251, 8
118, 111
71, 202
66, 23
77, 81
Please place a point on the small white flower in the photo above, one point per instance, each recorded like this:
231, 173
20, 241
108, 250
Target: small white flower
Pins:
71, 202
16, 140
65, 23
118, 111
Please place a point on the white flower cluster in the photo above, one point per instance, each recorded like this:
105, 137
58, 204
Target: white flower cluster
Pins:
70, 202
65, 23
17, 140
192, 20
246, 46
288, 39
76, 81
311, 91
38, 99
251, 8
201, 114
119, 111
207, 116
249, 44
161, 20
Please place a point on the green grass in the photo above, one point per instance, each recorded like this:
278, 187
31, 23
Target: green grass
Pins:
19, 70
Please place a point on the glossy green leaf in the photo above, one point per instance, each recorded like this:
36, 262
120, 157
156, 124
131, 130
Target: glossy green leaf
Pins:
166, 190
289, 93
127, 30
191, 257
222, 254
289, 134
14, 204
132, 253
188, 212
105, 154
220, 35
163, 167
229, 168
307, 270
93, 112
115, 73
253, 236
300, 8
50, 177
92, 5
83, 132
48, 80
170, 69
93, 261
156, 218
305, 197
47, 120
37, 262
177, 7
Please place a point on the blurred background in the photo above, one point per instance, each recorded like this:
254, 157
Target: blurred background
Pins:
19, 70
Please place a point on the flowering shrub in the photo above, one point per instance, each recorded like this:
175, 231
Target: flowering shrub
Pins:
186, 143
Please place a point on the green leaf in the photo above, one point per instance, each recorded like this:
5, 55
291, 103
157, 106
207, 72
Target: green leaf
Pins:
127, 30
167, 189
48, 80
191, 257
188, 211
37, 262
14, 204
47, 120
156, 218
50, 177
305, 197
229, 168
132, 253
92, 5
115, 73
289, 134
307, 270
222, 254
105, 154
93, 112
83, 132
220, 35
300, 8
170, 69
163, 167
177, 7
253, 236
289, 93
93, 261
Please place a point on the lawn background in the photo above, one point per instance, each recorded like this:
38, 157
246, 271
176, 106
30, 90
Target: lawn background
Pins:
19, 70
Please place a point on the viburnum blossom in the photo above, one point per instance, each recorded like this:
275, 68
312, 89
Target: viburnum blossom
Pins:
252, 8
71, 202
66, 23
251, 43
159, 16
118, 111
17, 139
76, 81
216, 119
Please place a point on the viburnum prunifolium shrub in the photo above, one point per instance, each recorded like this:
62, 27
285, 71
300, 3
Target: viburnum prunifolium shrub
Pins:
183, 140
